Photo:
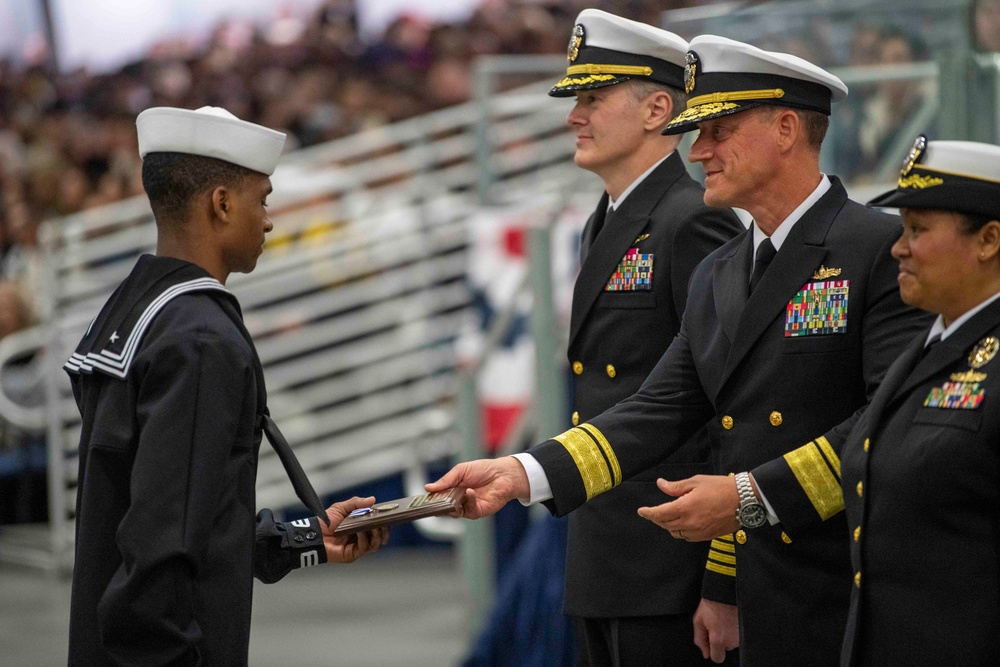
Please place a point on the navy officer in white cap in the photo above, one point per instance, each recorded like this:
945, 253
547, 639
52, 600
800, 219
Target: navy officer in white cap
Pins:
788, 330
921, 470
632, 588
173, 405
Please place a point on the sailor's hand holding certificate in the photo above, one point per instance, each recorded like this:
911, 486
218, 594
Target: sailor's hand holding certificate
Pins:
403, 509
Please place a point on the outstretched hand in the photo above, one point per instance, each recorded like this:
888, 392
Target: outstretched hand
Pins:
489, 485
705, 507
349, 548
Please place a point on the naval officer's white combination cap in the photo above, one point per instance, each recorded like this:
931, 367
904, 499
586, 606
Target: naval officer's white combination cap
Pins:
723, 76
960, 176
209, 132
605, 49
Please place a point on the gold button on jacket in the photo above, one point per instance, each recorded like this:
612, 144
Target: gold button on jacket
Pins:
867, 443
857, 533
727, 422
741, 536
611, 371
861, 488
576, 419
776, 418
578, 367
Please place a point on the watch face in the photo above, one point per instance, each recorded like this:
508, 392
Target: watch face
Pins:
753, 515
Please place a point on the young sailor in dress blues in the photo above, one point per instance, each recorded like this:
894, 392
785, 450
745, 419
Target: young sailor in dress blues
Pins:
173, 407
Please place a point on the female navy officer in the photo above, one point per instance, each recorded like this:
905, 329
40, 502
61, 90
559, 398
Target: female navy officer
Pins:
921, 470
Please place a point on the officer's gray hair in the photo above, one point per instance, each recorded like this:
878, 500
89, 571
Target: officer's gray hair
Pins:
814, 122
641, 89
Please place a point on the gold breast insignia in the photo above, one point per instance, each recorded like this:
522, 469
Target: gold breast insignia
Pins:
983, 352
643, 237
968, 376
822, 273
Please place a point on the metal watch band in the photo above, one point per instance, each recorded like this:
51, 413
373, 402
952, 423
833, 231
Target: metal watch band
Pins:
745, 488
751, 513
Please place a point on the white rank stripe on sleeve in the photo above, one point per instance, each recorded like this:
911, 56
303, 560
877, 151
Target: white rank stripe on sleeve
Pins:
309, 558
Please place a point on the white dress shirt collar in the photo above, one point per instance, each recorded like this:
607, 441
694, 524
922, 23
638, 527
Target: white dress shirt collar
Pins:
613, 205
940, 328
781, 233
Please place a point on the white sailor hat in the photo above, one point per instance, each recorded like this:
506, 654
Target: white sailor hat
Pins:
961, 176
210, 132
723, 76
605, 49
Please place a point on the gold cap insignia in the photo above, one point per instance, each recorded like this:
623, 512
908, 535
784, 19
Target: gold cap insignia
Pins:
983, 352
911, 158
690, 71
575, 42
822, 273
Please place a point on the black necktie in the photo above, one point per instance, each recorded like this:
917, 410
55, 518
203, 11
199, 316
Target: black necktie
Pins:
935, 339
765, 253
609, 215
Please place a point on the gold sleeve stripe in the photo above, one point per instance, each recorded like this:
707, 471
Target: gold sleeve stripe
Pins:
722, 558
609, 453
721, 569
816, 479
724, 538
831, 456
723, 546
588, 459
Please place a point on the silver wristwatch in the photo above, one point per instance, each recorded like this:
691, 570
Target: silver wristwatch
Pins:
751, 514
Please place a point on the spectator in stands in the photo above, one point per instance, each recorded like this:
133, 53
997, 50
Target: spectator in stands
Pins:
22, 451
894, 102
22, 261
986, 25
871, 121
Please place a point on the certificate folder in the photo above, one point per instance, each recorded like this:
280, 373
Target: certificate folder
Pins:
401, 510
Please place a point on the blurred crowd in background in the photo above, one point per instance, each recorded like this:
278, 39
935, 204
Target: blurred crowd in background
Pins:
67, 140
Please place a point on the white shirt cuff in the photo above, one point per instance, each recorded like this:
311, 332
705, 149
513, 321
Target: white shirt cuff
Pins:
538, 483
772, 518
